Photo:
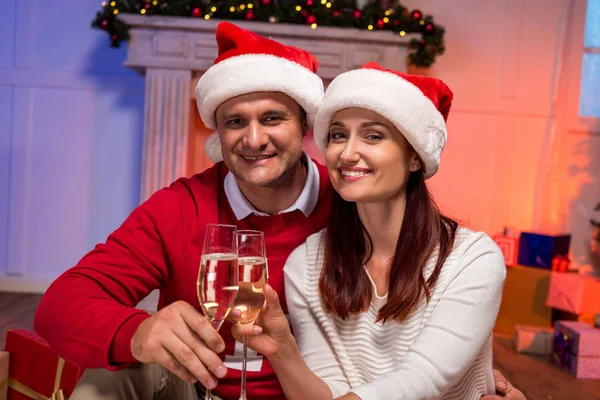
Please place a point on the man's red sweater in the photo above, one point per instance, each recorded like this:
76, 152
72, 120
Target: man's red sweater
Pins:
87, 315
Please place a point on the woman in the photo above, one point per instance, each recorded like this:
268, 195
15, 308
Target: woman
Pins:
393, 300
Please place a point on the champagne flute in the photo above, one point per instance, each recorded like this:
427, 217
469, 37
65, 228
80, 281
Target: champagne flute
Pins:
252, 276
218, 275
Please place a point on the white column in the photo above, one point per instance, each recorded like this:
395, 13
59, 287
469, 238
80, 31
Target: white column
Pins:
166, 122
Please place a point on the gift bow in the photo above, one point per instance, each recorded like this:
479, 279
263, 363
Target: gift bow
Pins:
25, 390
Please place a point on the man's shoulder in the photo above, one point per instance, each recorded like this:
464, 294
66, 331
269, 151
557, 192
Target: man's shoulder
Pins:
197, 184
188, 192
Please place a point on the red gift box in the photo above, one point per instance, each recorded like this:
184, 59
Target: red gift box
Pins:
35, 370
509, 247
575, 293
577, 349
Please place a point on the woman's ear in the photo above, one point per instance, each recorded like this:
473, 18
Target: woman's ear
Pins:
415, 164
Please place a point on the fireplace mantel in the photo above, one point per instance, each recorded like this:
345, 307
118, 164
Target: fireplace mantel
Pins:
173, 53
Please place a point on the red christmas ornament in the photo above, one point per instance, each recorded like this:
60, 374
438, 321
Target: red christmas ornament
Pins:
380, 24
250, 15
336, 13
396, 22
357, 13
266, 1
309, 3
304, 13
114, 37
311, 19
104, 24
196, 12
416, 14
429, 27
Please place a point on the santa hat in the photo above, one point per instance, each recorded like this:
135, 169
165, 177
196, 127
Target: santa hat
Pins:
249, 63
417, 105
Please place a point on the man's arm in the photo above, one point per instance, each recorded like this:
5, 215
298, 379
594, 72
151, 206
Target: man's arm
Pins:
88, 314
504, 389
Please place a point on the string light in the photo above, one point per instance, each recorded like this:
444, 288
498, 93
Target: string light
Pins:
370, 18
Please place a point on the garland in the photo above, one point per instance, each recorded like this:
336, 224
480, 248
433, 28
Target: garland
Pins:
340, 13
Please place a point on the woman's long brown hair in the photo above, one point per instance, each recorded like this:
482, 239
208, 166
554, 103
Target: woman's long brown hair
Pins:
344, 285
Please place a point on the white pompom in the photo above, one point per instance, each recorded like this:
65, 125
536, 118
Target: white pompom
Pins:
212, 147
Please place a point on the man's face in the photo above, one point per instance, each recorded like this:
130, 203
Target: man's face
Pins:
261, 137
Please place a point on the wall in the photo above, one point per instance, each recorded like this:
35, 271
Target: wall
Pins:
70, 139
71, 123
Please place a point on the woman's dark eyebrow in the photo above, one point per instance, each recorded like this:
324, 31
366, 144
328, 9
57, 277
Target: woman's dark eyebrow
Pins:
370, 124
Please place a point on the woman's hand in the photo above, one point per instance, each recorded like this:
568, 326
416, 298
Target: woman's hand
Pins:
272, 332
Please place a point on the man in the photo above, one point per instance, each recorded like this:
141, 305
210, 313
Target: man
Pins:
262, 97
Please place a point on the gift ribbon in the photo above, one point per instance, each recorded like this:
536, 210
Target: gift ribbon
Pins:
25, 390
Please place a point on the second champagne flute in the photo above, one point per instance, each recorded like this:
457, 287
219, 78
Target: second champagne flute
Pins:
252, 276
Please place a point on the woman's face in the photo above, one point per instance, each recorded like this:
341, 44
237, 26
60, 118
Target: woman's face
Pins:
368, 159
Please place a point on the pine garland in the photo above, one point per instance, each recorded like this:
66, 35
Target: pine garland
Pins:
339, 13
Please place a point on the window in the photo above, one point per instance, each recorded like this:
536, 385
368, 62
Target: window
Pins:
589, 101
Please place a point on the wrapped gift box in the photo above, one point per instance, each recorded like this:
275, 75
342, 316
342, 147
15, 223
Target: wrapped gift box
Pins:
577, 349
509, 247
35, 371
575, 293
524, 299
3, 374
533, 339
538, 250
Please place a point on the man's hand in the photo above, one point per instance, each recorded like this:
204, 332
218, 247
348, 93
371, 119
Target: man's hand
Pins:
504, 389
182, 340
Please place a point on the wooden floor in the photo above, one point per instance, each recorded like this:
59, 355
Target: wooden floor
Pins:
537, 378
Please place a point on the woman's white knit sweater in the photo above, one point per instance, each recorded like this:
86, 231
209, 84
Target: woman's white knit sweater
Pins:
441, 351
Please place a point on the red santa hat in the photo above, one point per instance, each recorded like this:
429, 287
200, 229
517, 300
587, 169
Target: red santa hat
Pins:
249, 63
417, 105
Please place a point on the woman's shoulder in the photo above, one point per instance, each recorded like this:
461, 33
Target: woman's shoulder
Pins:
468, 240
306, 255
477, 247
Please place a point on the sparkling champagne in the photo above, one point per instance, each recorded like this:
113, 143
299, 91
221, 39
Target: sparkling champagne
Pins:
250, 295
217, 286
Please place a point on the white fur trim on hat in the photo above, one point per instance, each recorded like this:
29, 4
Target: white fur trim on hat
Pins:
212, 147
395, 99
251, 73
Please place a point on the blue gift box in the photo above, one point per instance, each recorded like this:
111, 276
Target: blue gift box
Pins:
538, 250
